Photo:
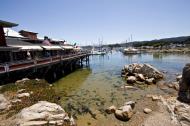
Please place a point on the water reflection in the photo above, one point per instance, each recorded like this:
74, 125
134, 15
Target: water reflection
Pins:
97, 87
158, 56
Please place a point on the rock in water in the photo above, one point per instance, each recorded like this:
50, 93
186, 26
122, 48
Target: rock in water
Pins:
178, 78
184, 85
155, 98
147, 110
127, 111
141, 77
111, 109
131, 103
145, 69
149, 81
42, 113
129, 87
4, 103
151, 72
119, 115
124, 113
131, 79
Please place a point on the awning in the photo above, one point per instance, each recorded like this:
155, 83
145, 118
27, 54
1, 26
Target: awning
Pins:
7, 24
67, 47
28, 47
52, 47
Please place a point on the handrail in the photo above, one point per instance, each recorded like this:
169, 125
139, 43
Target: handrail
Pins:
11, 66
20, 62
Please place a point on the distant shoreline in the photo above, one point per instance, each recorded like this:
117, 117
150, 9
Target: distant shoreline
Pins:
180, 50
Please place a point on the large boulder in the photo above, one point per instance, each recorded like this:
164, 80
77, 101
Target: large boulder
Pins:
184, 85
43, 113
151, 72
4, 103
145, 69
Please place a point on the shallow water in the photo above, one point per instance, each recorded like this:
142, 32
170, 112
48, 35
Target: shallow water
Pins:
86, 92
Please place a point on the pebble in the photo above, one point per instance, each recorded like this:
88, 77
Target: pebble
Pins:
155, 98
147, 110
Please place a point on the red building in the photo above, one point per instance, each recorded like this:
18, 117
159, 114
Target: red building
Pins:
29, 34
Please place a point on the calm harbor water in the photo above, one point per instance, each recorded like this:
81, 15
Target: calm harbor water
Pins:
86, 92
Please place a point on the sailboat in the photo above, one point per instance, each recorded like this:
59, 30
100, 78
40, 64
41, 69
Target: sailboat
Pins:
97, 52
130, 50
100, 51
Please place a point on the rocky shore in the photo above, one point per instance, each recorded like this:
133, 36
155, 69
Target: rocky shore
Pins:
35, 103
173, 109
31, 103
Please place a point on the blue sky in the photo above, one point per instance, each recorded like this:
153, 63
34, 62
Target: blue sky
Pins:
84, 21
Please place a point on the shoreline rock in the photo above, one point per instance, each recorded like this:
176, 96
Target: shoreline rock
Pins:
4, 103
43, 113
184, 85
179, 112
124, 113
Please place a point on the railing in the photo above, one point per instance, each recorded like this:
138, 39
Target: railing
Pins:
21, 65
56, 58
43, 61
12, 66
2, 68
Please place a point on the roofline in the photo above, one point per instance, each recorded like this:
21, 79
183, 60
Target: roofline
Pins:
7, 24
28, 31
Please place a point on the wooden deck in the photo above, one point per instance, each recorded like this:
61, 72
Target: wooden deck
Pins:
21, 65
